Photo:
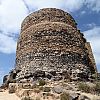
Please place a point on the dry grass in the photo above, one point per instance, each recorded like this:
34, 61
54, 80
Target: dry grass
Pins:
84, 87
64, 96
42, 82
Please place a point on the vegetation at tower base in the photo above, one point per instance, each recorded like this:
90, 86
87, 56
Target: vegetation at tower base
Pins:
50, 49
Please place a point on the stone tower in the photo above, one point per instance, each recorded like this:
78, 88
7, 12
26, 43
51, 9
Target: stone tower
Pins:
50, 46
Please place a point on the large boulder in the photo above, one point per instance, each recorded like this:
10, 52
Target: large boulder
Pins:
10, 78
5, 78
58, 89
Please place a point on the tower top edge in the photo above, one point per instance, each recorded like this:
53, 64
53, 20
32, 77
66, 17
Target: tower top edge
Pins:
48, 14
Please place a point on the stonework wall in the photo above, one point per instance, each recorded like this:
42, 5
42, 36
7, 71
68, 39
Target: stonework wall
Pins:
50, 42
49, 15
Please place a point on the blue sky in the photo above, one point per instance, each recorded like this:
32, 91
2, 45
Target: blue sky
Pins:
12, 12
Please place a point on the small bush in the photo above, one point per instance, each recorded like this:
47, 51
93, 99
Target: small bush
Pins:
42, 82
84, 87
97, 87
64, 96
46, 89
93, 89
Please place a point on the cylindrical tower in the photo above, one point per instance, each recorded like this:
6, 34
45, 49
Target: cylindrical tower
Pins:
50, 44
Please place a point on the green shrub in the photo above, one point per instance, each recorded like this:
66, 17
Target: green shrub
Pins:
42, 82
97, 87
46, 89
94, 76
64, 96
84, 87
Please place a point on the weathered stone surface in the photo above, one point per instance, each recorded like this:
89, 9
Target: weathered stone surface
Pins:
50, 45
43, 15
27, 86
39, 73
58, 89
12, 88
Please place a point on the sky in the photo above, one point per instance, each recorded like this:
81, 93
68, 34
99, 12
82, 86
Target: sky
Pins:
12, 12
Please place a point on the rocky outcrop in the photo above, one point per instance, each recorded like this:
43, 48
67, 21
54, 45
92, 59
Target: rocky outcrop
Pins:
57, 90
10, 78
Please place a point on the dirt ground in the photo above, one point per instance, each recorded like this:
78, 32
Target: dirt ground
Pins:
6, 96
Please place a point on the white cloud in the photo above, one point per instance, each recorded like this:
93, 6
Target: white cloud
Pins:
93, 36
7, 44
69, 5
83, 12
93, 4
12, 13
91, 25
